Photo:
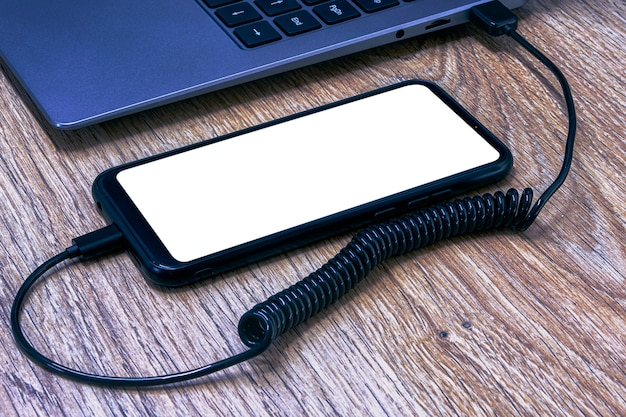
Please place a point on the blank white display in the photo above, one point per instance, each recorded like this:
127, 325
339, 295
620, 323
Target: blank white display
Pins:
218, 196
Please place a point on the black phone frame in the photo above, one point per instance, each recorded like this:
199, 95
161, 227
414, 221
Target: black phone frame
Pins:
161, 268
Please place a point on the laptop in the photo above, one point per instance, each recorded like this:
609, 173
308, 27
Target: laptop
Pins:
87, 61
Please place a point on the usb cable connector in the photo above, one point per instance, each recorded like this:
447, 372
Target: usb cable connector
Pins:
494, 18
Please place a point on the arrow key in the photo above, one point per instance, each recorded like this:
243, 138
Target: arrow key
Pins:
275, 7
256, 34
238, 14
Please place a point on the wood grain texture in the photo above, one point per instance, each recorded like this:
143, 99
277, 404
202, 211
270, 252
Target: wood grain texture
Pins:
497, 324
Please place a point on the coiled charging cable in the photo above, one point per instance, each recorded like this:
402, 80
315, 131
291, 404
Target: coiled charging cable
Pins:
261, 325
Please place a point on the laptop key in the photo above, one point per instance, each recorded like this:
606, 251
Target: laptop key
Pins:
371, 6
238, 14
257, 33
275, 7
217, 3
336, 11
297, 23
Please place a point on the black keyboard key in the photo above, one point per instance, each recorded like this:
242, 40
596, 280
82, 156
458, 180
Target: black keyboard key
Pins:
297, 23
238, 14
275, 7
218, 3
336, 11
312, 2
370, 6
256, 34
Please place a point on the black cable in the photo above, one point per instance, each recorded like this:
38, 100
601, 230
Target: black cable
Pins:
569, 143
266, 321
496, 19
88, 246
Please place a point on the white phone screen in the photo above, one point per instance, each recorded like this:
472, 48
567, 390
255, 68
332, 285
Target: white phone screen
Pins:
234, 191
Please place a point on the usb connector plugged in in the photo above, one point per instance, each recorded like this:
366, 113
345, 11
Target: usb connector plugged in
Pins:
494, 18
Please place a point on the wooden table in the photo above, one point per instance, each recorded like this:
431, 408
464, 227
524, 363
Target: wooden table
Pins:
500, 323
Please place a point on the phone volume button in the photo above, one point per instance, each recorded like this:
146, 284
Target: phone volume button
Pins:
441, 194
385, 212
418, 202
422, 201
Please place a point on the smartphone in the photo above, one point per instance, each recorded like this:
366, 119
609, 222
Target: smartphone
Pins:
204, 209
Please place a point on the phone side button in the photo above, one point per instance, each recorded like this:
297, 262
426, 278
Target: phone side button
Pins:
418, 202
203, 273
441, 195
385, 212
422, 201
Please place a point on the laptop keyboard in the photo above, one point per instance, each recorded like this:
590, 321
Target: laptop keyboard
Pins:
257, 22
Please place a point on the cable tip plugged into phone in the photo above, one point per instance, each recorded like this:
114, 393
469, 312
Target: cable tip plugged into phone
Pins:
99, 242
371, 246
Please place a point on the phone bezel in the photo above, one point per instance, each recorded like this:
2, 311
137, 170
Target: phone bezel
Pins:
161, 268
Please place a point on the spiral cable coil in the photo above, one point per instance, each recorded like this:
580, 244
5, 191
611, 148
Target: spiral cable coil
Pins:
373, 245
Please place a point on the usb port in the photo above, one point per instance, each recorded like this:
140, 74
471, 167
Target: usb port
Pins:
438, 23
